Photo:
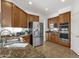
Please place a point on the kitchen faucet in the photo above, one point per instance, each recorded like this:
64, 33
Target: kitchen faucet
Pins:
4, 33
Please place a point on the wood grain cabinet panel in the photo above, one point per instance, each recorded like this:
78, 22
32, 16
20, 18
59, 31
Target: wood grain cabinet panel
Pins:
50, 21
23, 19
52, 37
13, 16
67, 17
62, 18
49, 37
16, 16
6, 13
36, 18
26, 39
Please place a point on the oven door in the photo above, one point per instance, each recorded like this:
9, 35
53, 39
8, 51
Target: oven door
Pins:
63, 35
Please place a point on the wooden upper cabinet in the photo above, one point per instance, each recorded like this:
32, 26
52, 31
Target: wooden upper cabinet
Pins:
54, 20
65, 17
19, 17
15, 16
50, 21
30, 18
23, 19
36, 18
6, 13
33, 18
61, 18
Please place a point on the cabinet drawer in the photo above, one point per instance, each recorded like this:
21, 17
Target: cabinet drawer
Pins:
26, 39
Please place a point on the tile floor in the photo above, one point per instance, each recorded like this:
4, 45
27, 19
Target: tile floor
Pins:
52, 50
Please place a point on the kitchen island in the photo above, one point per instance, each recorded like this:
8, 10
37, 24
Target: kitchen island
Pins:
27, 52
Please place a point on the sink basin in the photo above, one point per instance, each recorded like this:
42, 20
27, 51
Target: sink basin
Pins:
15, 45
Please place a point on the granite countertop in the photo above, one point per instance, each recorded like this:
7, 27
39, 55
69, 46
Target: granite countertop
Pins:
16, 35
27, 52
52, 32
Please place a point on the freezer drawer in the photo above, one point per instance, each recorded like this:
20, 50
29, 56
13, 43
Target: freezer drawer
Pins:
36, 42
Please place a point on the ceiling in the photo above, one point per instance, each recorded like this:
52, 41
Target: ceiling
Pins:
38, 6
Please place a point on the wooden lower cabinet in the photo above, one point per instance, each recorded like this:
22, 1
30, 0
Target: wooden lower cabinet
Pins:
49, 37
52, 37
26, 39
63, 43
55, 39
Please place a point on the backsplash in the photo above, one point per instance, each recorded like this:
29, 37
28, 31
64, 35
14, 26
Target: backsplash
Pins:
16, 30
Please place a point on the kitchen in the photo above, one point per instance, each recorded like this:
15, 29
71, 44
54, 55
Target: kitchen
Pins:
39, 29
18, 21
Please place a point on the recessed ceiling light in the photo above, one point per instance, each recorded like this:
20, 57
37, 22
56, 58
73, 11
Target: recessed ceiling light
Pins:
30, 2
46, 9
63, 0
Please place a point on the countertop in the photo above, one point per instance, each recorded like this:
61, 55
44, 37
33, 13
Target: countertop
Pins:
15, 35
27, 52
52, 32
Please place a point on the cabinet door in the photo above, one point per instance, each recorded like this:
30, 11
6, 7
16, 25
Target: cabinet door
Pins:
6, 13
36, 18
50, 21
15, 16
53, 37
26, 39
23, 19
61, 18
67, 17
56, 21
49, 37
29, 19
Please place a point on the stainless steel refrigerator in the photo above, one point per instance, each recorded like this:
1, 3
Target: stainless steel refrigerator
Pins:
36, 31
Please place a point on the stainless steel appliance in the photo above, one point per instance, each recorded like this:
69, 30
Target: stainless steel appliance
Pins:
63, 30
36, 31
